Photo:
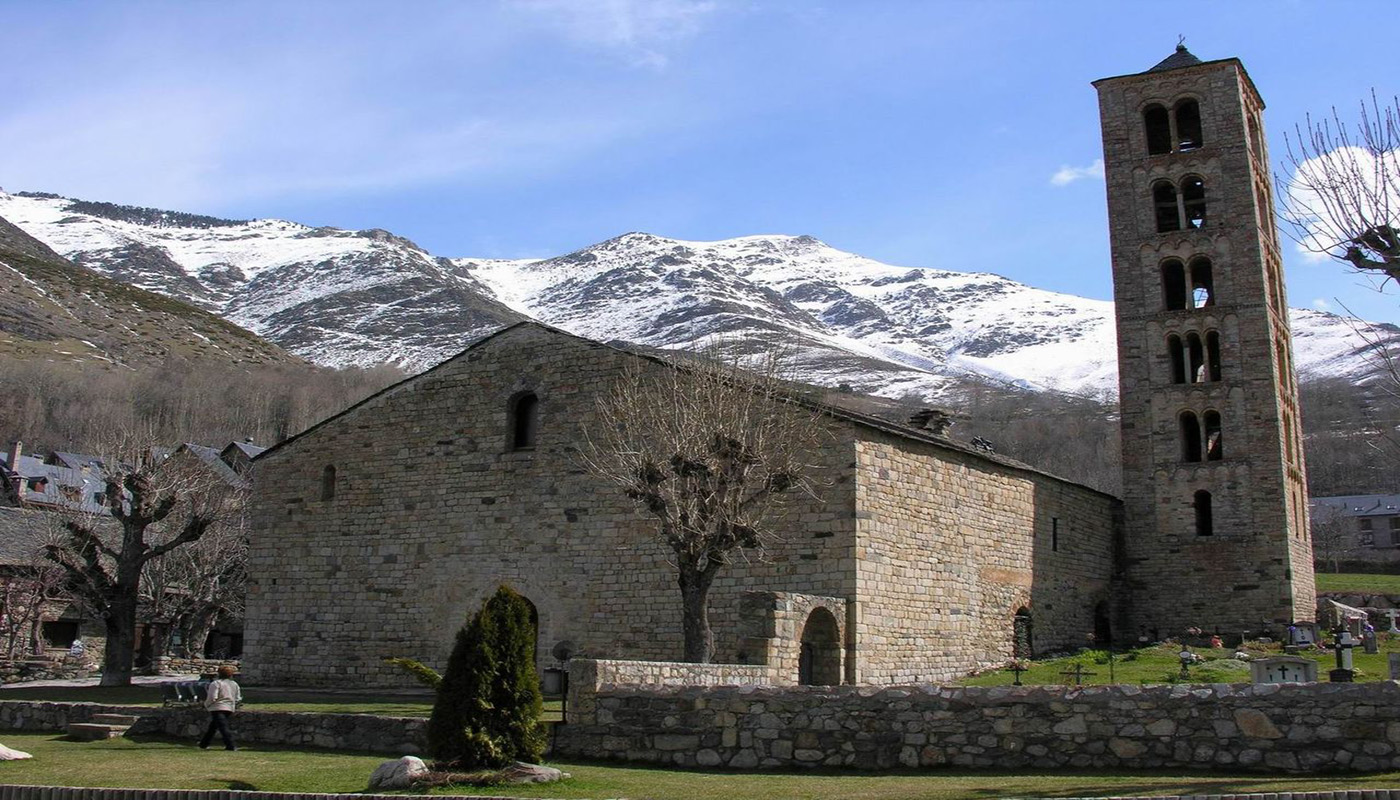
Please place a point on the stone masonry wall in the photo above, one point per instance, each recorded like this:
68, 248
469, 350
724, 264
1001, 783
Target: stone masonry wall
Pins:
953, 545
395, 735
1279, 727
432, 511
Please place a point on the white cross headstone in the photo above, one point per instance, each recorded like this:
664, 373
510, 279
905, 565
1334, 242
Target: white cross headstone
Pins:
1393, 613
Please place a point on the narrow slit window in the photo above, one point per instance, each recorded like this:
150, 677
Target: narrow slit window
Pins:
328, 483
1193, 200
1164, 204
1159, 133
1215, 448
1195, 354
1202, 283
1190, 437
1178, 358
1055, 534
1205, 522
1174, 284
525, 420
1213, 355
1188, 125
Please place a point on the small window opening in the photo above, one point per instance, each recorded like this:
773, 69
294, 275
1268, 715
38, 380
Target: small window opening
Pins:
1055, 534
328, 483
1395, 531
1202, 283
1205, 525
525, 421
1213, 355
1190, 437
1159, 133
1215, 449
1188, 125
1178, 358
1193, 200
1174, 283
1196, 356
1164, 201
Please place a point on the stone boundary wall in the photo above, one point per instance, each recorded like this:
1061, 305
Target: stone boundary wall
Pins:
362, 732
1294, 728
170, 665
602, 672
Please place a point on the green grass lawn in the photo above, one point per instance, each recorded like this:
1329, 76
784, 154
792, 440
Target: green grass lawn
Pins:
1358, 583
158, 763
1161, 664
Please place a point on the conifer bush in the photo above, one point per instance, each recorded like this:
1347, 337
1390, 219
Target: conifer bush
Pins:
488, 707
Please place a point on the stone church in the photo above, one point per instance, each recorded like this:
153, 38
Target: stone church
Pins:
379, 531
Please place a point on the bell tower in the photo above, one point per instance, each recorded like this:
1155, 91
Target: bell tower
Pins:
1214, 487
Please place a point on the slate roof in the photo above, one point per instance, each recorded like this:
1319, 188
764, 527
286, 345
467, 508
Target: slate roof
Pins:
22, 533
1181, 58
213, 459
56, 479
249, 449
1359, 505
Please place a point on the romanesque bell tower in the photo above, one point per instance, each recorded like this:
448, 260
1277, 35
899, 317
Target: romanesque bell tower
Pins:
1214, 488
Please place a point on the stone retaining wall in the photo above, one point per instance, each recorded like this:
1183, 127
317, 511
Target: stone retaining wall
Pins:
393, 735
1289, 728
170, 665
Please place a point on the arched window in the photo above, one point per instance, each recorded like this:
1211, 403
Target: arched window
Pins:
1195, 358
1213, 355
1023, 643
1193, 201
1215, 449
1178, 358
1174, 283
1188, 126
1202, 282
524, 421
1164, 201
1159, 132
328, 483
1205, 525
1190, 437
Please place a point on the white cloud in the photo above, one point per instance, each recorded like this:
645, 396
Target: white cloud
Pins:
1321, 304
1067, 174
640, 30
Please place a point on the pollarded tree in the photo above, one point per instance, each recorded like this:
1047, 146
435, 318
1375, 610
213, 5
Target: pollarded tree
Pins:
152, 505
711, 453
1341, 189
488, 706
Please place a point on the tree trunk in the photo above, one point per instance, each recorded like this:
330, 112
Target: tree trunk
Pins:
695, 614
121, 641
196, 633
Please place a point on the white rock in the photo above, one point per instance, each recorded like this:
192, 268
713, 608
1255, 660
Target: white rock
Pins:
6, 754
397, 774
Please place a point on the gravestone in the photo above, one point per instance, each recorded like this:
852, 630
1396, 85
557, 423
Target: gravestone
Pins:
1283, 669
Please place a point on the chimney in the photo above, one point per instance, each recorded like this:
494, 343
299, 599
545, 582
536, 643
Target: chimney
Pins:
16, 476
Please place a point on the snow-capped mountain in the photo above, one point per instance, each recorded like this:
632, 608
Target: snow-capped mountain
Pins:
364, 297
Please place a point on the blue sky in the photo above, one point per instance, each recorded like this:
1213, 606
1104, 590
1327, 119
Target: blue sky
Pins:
917, 133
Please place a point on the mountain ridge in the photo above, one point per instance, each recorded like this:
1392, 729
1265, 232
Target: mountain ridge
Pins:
340, 298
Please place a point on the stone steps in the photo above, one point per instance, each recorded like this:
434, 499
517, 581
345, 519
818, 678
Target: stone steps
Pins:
102, 726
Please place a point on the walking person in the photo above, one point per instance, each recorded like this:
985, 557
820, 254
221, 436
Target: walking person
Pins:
220, 700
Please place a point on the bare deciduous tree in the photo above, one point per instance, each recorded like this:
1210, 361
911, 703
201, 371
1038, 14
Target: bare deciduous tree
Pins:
191, 587
712, 453
25, 594
153, 506
1341, 190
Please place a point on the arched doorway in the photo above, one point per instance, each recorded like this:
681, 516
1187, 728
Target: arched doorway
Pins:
819, 662
1103, 625
1022, 642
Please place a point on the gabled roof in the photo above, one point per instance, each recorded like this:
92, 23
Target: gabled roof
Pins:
214, 460
247, 448
74, 460
1359, 505
22, 534
56, 479
862, 420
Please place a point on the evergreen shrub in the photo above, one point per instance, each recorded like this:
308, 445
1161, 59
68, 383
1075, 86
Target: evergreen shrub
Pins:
488, 707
